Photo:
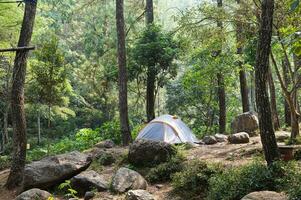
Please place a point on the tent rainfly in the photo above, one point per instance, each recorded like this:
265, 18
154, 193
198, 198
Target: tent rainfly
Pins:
168, 129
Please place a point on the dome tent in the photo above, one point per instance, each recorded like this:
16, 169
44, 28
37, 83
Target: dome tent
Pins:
168, 129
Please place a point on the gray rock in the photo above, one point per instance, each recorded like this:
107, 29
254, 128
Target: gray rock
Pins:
55, 169
126, 179
281, 136
139, 195
246, 122
239, 138
105, 144
221, 137
87, 181
34, 194
148, 152
89, 195
107, 159
265, 195
95, 153
209, 140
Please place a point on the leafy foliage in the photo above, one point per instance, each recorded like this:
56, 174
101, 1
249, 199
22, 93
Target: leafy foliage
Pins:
164, 171
194, 178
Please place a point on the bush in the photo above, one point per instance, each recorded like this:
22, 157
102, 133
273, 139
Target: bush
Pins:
194, 178
5, 162
236, 183
111, 130
164, 171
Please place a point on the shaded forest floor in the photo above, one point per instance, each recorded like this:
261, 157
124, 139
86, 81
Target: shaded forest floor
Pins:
228, 155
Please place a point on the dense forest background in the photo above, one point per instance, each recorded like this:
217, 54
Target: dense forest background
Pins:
71, 85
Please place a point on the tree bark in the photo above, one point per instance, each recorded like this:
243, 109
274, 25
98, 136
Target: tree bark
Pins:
149, 12
151, 73
267, 133
5, 125
272, 90
221, 87
286, 80
252, 92
122, 74
222, 103
242, 74
39, 127
15, 178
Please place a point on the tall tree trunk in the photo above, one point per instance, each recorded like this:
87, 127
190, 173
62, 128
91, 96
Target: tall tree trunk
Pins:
122, 75
252, 91
15, 178
5, 124
242, 74
150, 94
272, 90
286, 80
151, 73
267, 133
222, 103
221, 87
149, 12
39, 127
244, 91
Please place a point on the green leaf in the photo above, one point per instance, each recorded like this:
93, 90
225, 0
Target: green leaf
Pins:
295, 5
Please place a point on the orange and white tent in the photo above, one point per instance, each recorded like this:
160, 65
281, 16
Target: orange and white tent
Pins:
168, 128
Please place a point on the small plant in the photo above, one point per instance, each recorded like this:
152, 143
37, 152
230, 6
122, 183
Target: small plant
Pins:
194, 178
164, 171
66, 187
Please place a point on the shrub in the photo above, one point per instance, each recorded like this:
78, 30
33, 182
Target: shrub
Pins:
164, 171
5, 162
235, 183
111, 130
194, 177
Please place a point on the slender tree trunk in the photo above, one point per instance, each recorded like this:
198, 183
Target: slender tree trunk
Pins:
150, 94
151, 73
15, 178
252, 92
221, 86
272, 90
39, 127
267, 134
5, 124
122, 75
242, 74
244, 91
286, 80
222, 103
149, 12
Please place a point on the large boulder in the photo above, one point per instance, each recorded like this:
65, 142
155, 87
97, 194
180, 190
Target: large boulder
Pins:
209, 139
139, 195
88, 181
34, 194
265, 195
126, 179
149, 152
239, 138
246, 122
55, 169
221, 137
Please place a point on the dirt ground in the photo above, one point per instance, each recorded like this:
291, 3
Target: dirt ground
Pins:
228, 155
